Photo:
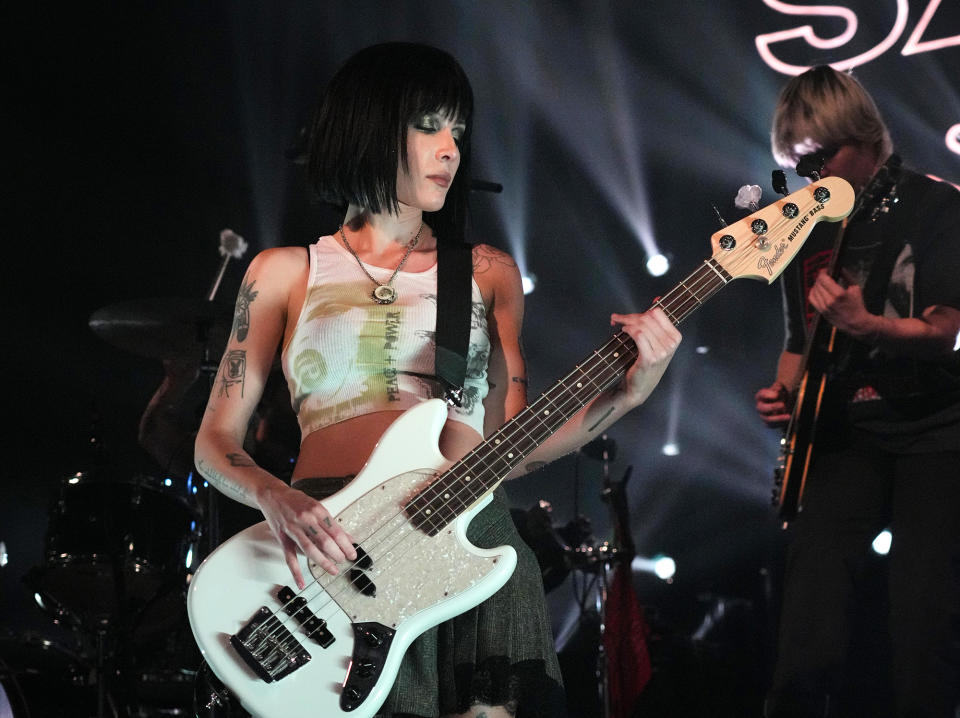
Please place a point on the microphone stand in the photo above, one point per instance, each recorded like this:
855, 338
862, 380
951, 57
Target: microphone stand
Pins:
604, 449
232, 246
603, 667
623, 550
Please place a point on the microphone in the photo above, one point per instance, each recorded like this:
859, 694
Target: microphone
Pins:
811, 165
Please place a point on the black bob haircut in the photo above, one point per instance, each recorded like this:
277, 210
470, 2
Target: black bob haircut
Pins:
358, 138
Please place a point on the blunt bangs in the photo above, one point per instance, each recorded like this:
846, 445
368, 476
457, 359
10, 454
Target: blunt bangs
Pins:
358, 138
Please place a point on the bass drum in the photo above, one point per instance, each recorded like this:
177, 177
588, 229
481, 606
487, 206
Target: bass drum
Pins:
118, 546
41, 679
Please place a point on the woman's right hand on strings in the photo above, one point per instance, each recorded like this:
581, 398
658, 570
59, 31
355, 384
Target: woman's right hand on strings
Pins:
774, 404
301, 523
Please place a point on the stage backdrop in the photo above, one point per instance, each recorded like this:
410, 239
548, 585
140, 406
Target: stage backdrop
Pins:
136, 132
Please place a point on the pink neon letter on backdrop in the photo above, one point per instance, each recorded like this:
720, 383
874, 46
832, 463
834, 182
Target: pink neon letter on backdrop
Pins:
913, 44
806, 33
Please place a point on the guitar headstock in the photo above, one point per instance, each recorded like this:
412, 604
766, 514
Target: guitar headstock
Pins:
761, 245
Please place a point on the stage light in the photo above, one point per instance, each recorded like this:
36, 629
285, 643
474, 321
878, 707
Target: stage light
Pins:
663, 567
670, 449
658, 265
881, 544
529, 282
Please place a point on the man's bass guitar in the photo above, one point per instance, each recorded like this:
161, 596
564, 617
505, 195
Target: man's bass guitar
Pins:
334, 648
820, 350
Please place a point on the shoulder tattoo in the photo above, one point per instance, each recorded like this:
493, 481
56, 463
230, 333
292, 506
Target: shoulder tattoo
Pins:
486, 257
241, 315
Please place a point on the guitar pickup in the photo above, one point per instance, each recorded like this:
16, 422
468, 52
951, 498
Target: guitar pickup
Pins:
296, 607
266, 645
363, 558
362, 582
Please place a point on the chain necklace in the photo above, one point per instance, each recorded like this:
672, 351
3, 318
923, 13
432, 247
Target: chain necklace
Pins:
384, 293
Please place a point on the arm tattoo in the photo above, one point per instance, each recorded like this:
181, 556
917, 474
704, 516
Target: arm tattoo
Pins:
241, 315
601, 419
233, 371
221, 482
239, 460
520, 380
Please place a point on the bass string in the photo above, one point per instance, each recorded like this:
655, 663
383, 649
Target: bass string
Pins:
700, 277
703, 276
389, 531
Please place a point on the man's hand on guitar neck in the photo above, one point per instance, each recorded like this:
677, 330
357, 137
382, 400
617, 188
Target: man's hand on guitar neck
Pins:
774, 404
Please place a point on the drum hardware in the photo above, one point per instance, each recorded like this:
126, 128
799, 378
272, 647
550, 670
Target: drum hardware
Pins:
41, 678
165, 327
212, 699
575, 550
113, 546
115, 567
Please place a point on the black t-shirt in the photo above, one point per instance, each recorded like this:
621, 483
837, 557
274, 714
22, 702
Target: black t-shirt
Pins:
905, 253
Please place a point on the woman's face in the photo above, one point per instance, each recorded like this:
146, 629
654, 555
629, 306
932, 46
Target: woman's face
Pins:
433, 157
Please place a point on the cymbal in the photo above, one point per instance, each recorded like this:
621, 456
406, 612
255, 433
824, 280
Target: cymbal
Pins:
165, 327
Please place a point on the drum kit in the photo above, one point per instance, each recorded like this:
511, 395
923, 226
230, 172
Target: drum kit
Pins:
118, 555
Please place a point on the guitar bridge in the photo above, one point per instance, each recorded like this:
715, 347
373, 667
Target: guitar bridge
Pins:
268, 647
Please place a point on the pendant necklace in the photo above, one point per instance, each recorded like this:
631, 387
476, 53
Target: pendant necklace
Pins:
384, 293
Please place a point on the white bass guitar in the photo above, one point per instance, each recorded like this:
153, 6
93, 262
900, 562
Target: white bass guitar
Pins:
333, 649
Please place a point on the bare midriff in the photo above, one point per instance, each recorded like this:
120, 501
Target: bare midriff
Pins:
342, 449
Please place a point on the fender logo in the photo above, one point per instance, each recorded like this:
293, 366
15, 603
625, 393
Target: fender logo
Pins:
770, 263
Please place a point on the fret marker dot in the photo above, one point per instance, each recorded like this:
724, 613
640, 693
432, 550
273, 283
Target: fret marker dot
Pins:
446, 496
428, 512
510, 455
616, 355
579, 385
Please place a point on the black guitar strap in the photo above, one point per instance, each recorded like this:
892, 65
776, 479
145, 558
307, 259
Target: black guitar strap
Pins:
874, 292
454, 299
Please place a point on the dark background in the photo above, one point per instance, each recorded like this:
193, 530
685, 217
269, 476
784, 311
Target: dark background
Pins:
135, 132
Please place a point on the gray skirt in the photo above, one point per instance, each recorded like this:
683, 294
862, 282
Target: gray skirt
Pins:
499, 653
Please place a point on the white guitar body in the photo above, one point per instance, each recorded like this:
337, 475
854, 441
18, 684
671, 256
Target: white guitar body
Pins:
420, 581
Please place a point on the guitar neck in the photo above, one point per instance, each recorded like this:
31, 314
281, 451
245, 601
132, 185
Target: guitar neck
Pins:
482, 470
758, 246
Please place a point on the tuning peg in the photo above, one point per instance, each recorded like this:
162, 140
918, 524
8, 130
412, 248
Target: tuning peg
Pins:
748, 197
720, 219
779, 179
